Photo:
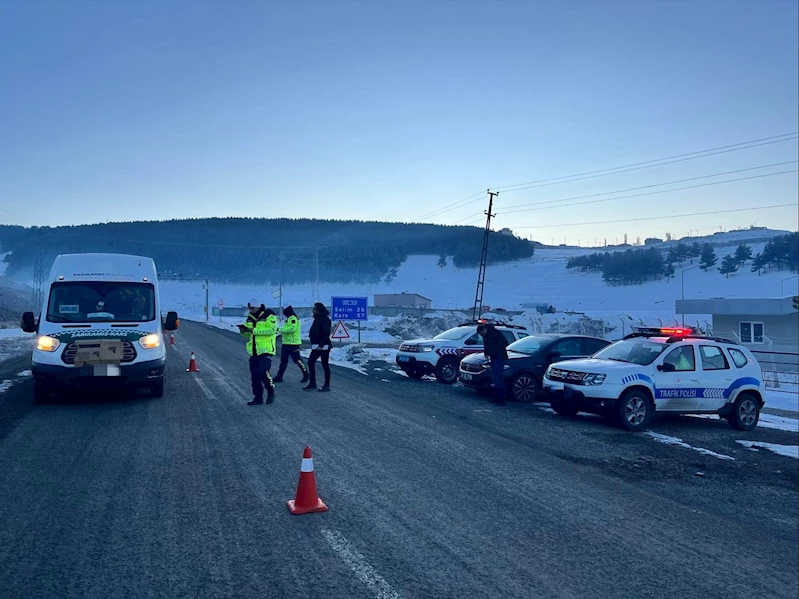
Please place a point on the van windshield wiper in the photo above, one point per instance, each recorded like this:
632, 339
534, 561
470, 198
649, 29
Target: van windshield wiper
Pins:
57, 318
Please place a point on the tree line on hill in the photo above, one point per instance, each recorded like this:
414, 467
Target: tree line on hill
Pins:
635, 266
263, 250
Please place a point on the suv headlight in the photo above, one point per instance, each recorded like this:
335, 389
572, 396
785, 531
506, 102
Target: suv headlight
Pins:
594, 379
426, 348
150, 341
48, 344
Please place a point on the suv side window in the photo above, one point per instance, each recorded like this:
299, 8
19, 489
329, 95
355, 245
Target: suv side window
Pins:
592, 346
508, 336
567, 347
713, 358
682, 358
738, 357
474, 340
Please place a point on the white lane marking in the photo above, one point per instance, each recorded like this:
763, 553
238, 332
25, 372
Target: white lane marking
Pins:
680, 443
208, 393
791, 451
358, 564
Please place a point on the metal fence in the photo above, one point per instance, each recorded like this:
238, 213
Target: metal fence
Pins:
780, 369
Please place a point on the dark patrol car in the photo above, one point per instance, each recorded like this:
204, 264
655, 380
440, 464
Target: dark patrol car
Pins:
528, 360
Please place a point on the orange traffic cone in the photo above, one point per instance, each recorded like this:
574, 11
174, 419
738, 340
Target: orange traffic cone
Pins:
192, 364
307, 500
172, 339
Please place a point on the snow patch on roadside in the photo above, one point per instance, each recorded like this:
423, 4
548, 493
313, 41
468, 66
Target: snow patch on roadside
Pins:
5, 385
766, 421
680, 443
791, 451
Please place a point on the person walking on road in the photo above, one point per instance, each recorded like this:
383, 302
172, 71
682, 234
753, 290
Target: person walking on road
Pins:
260, 330
494, 348
290, 345
320, 346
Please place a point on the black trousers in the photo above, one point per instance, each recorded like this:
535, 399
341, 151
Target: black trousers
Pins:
290, 352
259, 375
324, 355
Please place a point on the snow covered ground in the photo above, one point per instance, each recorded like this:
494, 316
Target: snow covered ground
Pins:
542, 279
13, 342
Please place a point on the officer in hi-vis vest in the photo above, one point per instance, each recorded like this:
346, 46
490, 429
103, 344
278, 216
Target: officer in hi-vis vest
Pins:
290, 345
260, 331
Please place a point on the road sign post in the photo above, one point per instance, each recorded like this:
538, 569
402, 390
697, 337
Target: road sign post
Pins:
340, 332
221, 305
350, 308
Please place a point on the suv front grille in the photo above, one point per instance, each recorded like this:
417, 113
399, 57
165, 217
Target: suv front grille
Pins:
68, 355
409, 348
566, 376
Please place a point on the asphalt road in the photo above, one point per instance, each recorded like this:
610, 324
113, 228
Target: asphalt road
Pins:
432, 493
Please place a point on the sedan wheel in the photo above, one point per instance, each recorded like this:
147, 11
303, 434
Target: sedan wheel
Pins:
525, 388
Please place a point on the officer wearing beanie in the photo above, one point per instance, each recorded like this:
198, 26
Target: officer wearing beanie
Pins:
290, 345
260, 331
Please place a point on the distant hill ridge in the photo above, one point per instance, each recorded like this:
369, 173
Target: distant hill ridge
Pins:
263, 250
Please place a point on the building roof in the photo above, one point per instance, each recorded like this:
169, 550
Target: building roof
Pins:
773, 306
400, 294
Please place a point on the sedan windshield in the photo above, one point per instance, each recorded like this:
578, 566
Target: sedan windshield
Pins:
528, 345
101, 301
453, 334
634, 351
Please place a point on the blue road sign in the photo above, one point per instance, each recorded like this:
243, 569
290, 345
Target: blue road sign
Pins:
350, 308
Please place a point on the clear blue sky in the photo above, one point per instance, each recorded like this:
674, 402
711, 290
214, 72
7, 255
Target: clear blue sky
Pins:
387, 111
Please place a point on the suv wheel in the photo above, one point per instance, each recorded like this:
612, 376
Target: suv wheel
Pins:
634, 410
447, 370
525, 387
745, 413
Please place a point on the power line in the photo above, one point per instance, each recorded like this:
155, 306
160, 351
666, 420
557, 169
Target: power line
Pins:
653, 163
449, 207
618, 170
630, 220
638, 195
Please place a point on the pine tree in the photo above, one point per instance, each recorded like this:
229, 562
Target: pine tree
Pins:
442, 261
758, 264
728, 265
668, 270
707, 259
743, 253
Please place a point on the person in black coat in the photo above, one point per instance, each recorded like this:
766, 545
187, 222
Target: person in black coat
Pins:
495, 349
320, 346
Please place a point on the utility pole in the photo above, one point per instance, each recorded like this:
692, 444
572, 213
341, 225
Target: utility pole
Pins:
280, 288
37, 294
207, 306
316, 276
477, 310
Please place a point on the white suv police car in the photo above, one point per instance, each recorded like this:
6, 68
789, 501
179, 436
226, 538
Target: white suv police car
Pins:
442, 354
661, 370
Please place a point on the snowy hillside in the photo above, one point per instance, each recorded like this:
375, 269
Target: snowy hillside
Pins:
542, 279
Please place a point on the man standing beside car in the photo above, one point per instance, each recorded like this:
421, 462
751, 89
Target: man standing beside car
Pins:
495, 349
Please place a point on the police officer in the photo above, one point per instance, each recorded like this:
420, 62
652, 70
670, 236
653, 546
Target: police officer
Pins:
290, 345
320, 346
494, 348
260, 330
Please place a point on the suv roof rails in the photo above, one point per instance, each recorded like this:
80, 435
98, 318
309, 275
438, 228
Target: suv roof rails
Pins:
496, 323
677, 338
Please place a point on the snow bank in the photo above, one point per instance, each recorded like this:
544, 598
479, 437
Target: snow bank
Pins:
791, 451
